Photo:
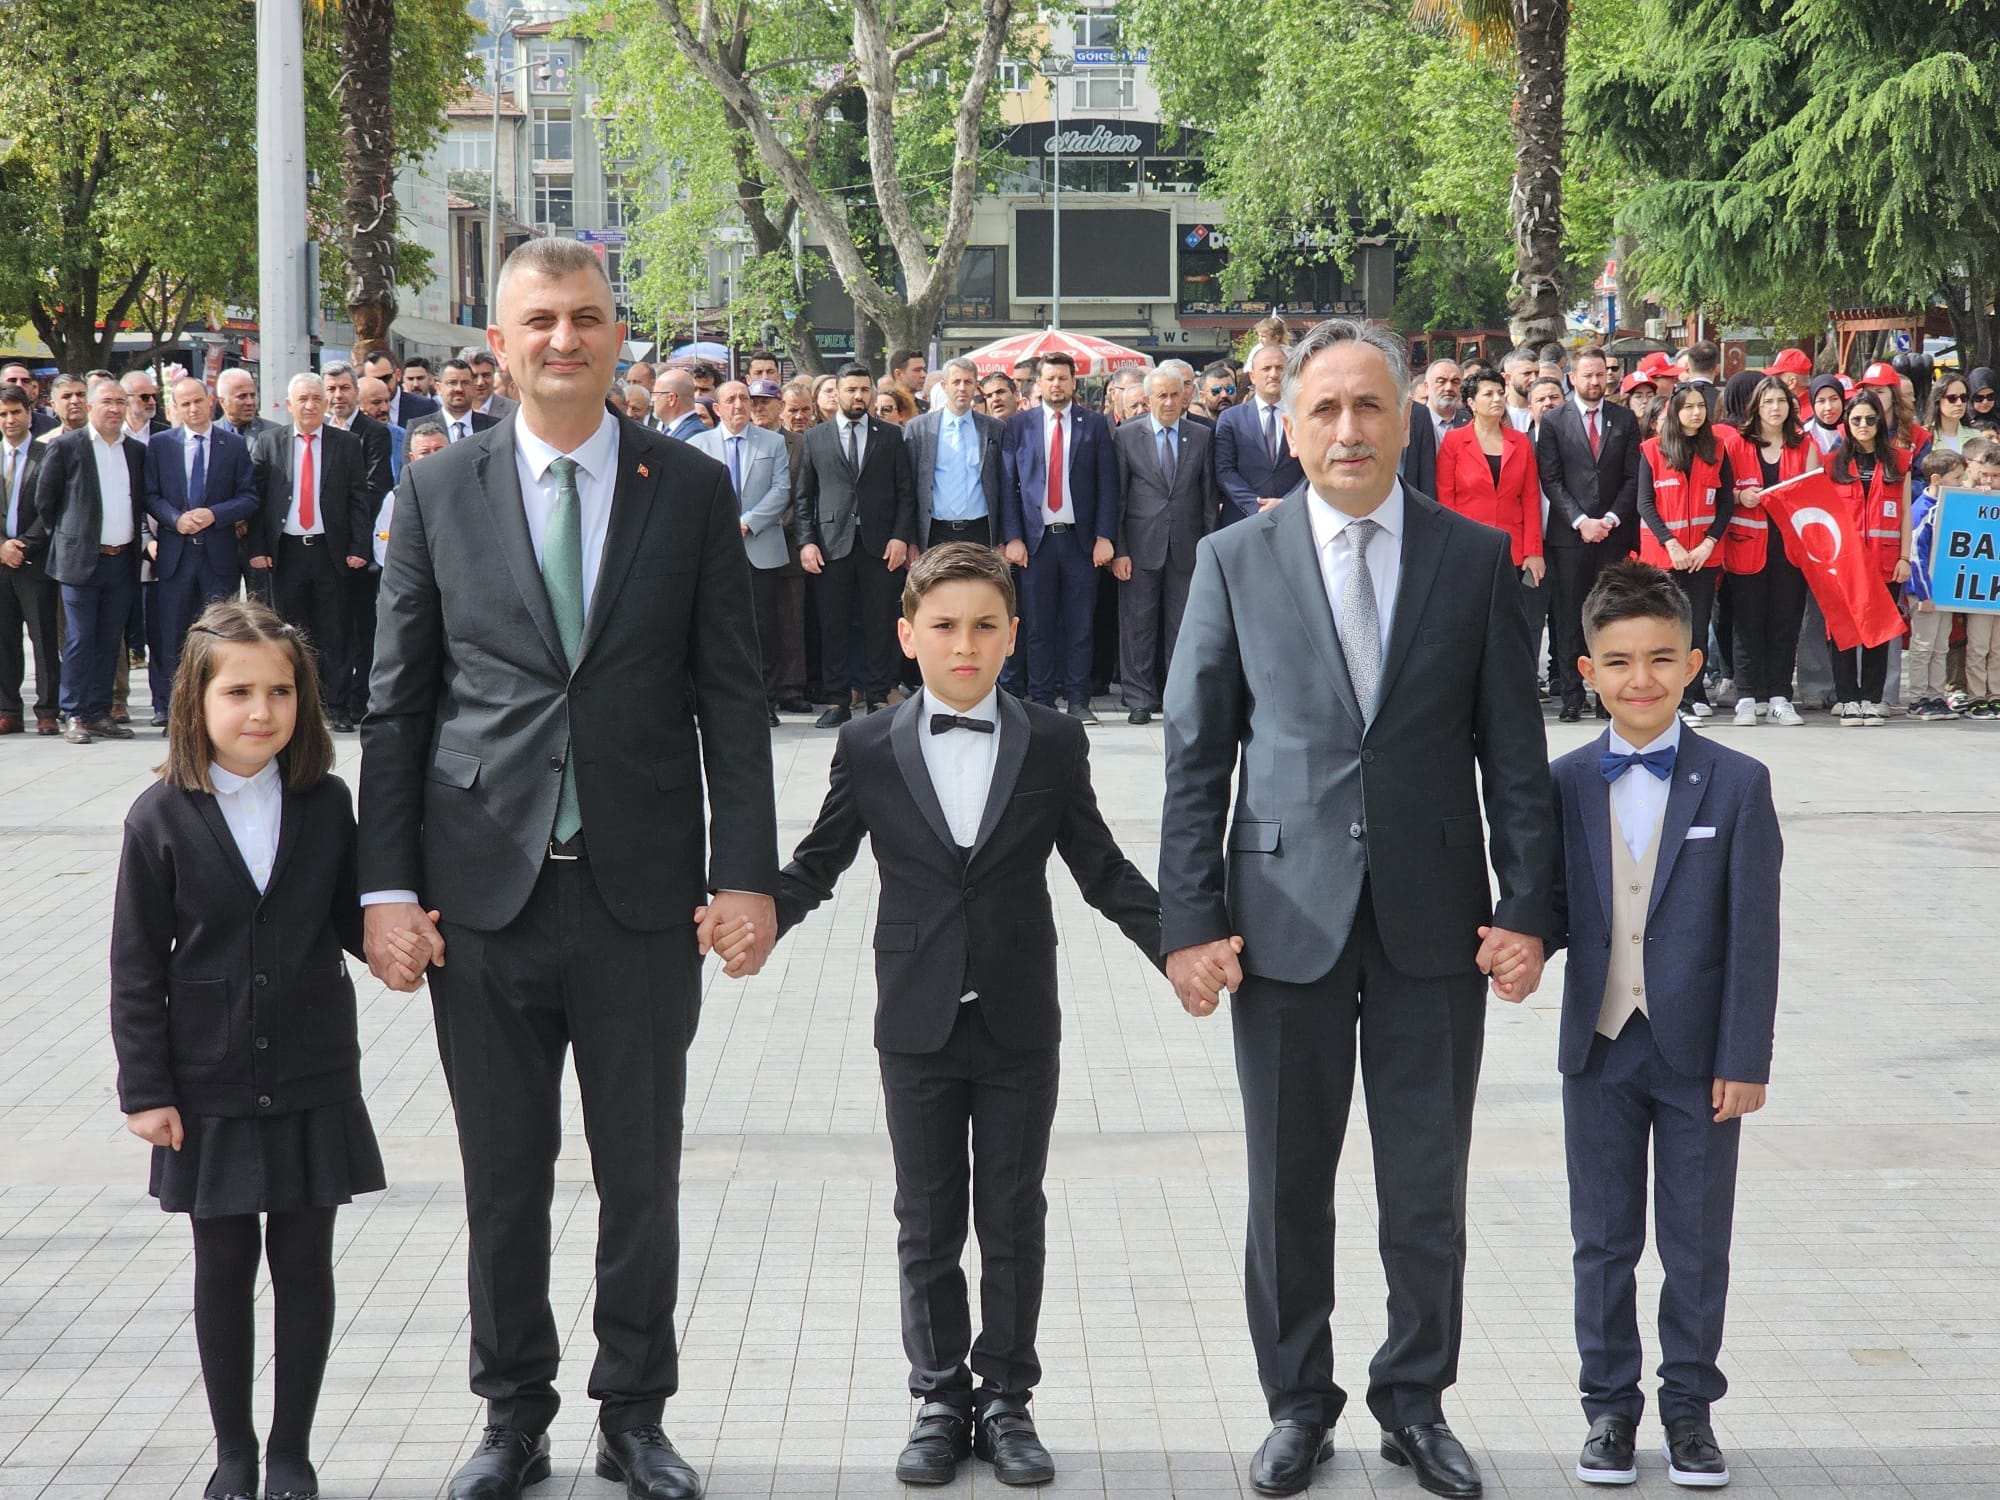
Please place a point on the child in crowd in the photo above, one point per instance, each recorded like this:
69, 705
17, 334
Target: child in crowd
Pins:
1666, 895
1982, 628
1930, 627
233, 1020
964, 792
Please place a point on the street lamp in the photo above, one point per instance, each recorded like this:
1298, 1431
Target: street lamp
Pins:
513, 19
1056, 67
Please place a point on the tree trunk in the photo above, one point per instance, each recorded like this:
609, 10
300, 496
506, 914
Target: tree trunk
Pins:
1541, 38
368, 150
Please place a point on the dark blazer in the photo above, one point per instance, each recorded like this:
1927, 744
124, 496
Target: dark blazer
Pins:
73, 510
1579, 486
343, 500
1090, 489
406, 408
948, 922
1420, 450
923, 436
225, 1001
687, 427
34, 531
1712, 929
834, 503
1326, 802
42, 420
473, 706
476, 420
231, 493
1155, 523
378, 445
1244, 469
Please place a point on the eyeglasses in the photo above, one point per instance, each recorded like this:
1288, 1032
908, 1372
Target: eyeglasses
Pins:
148, 399
1983, 397
1862, 419
1957, 398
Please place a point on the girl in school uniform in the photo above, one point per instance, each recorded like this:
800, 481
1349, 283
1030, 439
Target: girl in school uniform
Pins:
233, 1019
1686, 488
1871, 473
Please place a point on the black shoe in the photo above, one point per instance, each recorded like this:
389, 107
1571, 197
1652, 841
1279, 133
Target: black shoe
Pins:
1139, 716
508, 1461
648, 1465
1004, 1435
1570, 714
108, 729
834, 717
1607, 1453
1285, 1462
797, 706
1601, 711
775, 720
342, 724
235, 1478
941, 1438
289, 1476
1082, 714
1693, 1459
1438, 1459
876, 705
159, 721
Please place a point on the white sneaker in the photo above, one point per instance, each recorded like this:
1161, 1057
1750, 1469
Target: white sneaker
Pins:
1700, 709
1746, 713
1873, 714
1849, 715
1690, 718
1783, 713
1726, 688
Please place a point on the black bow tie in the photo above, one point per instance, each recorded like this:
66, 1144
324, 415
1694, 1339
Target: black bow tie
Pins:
945, 723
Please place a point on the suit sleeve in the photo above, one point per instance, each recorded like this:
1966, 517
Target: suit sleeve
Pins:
1531, 504
989, 472
1563, 509
1123, 501
1513, 751
1238, 491
1447, 473
1109, 881
1212, 499
403, 690
905, 529
52, 493
1012, 526
157, 504
142, 937
1107, 488
770, 510
241, 503
1626, 503
805, 497
730, 710
825, 853
362, 500
1750, 965
1204, 716
276, 484
1557, 936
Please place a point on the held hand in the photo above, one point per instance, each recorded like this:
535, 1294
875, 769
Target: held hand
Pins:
1749, 499
896, 554
158, 1127
357, 562
386, 962
187, 525
1200, 974
1537, 569
913, 554
1016, 553
260, 562
730, 943
1121, 569
1100, 555
412, 957
1526, 975
1902, 574
1678, 556
1265, 502
242, 530
1734, 1100
1926, 607
1698, 559
811, 559
1595, 529
747, 924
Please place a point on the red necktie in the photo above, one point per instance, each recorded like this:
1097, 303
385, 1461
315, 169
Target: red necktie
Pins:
1056, 464
306, 483
1592, 416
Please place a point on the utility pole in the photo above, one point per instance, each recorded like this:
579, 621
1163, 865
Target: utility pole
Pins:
284, 266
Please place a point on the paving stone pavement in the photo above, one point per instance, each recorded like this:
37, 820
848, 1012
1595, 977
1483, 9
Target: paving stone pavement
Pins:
1863, 1333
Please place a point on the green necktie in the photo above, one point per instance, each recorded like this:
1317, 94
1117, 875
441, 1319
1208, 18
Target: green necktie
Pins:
562, 576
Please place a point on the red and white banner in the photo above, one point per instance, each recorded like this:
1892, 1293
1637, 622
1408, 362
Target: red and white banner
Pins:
1821, 538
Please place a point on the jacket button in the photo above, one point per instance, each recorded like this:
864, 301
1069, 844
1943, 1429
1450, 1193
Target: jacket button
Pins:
263, 979
972, 893
555, 762
263, 1101
1354, 830
1367, 757
262, 918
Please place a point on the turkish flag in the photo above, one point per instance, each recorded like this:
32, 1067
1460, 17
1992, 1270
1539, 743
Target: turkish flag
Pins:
1820, 537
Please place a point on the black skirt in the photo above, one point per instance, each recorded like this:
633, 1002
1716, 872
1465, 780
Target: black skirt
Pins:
271, 1164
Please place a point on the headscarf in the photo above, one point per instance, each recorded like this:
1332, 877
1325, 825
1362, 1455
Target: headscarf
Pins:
1736, 392
1981, 379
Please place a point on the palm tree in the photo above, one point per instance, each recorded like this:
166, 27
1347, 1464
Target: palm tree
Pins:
1536, 33
368, 152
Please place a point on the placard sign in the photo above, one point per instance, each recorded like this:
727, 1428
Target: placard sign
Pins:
1965, 553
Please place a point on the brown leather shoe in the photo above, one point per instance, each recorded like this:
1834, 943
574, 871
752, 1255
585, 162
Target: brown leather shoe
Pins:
48, 726
10, 723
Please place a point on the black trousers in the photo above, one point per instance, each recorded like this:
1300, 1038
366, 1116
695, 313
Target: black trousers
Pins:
566, 974
1572, 573
1419, 1048
206, 575
979, 529
32, 601
1770, 606
1150, 605
1700, 590
359, 589
765, 584
308, 589
853, 587
1862, 674
1006, 1098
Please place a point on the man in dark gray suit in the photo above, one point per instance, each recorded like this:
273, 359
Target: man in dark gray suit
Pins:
1357, 660
565, 652
955, 452
1167, 502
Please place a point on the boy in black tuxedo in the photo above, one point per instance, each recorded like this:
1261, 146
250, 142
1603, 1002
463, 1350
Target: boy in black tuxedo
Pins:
1668, 854
967, 1022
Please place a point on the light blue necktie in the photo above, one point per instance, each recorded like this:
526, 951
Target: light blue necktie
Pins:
562, 577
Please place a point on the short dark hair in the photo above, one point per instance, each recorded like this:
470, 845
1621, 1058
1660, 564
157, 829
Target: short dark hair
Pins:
757, 354
481, 357
1589, 351
15, 395
1520, 354
306, 760
1002, 375
1551, 354
1056, 357
1220, 369
1548, 380
1704, 356
428, 427
900, 357
1939, 463
418, 362
457, 364
1484, 375
1634, 590
956, 562
854, 368
1983, 449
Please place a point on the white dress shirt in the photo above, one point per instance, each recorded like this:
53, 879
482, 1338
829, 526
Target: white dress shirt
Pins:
1589, 412
1260, 406
1065, 422
252, 806
1385, 554
189, 437
114, 488
457, 428
302, 453
960, 765
1639, 797
596, 479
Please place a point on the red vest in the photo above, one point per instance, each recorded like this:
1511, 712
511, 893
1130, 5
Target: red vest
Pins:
1748, 535
1686, 502
1877, 512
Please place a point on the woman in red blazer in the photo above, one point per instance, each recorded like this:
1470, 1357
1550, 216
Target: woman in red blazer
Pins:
1486, 472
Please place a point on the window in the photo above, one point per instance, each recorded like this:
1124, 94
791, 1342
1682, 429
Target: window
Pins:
1098, 29
555, 201
621, 204
1174, 174
977, 295
468, 153
553, 148
549, 65
1010, 77
1089, 174
1107, 88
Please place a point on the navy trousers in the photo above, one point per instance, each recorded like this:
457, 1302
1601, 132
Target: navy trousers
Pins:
1060, 588
1626, 1093
94, 616
206, 575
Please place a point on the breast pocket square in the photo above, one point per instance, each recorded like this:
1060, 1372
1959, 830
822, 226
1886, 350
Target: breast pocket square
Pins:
1701, 833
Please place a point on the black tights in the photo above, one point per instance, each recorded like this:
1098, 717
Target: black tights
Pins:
299, 1247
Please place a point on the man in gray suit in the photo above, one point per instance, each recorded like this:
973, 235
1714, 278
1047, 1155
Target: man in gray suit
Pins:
761, 475
1167, 502
565, 653
1357, 660
956, 453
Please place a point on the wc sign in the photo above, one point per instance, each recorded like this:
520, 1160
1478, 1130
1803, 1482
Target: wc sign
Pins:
1965, 554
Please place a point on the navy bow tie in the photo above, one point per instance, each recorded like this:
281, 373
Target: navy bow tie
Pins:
945, 723
1659, 762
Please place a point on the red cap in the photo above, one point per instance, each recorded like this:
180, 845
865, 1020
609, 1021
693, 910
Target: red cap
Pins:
1790, 362
1657, 363
1846, 385
1883, 375
1633, 381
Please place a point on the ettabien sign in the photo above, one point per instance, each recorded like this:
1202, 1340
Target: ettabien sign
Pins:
1965, 554
1098, 142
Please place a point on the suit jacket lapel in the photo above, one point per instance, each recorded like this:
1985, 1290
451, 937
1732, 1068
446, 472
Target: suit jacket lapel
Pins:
1007, 762
500, 484
1595, 800
1290, 538
1424, 541
211, 814
631, 504
904, 730
1694, 769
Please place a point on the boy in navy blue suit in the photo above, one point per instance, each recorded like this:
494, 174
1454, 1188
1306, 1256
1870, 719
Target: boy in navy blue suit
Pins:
1667, 864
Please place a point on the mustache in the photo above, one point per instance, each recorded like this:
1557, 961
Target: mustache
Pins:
1348, 452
